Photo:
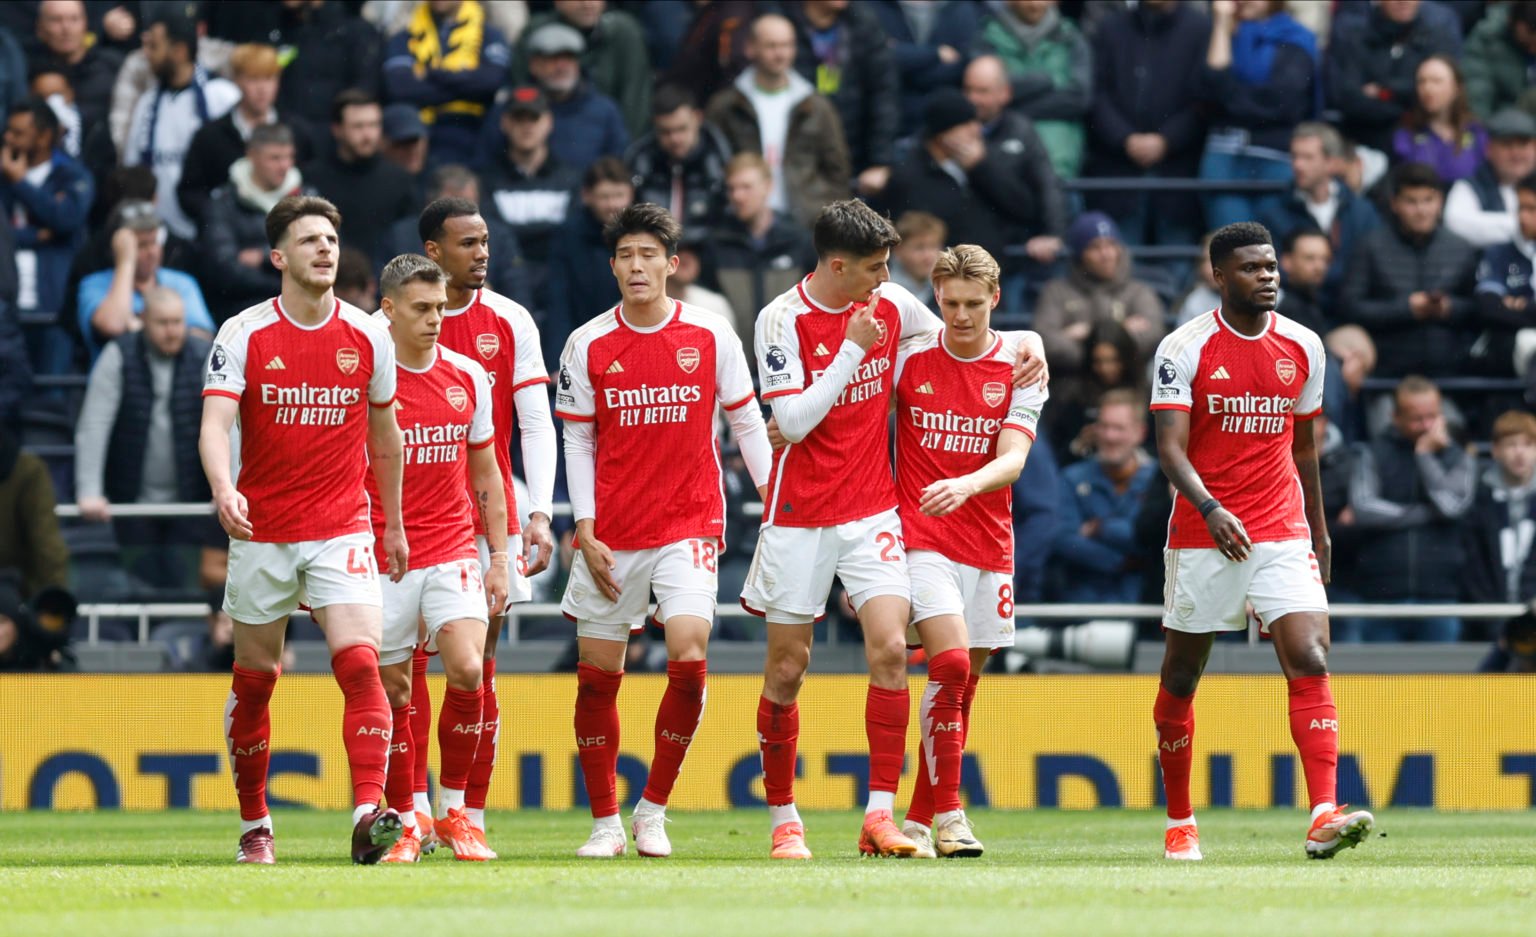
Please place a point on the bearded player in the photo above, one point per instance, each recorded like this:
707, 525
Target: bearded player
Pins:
640, 386
1234, 397
498, 334
826, 351
962, 435
443, 403
311, 383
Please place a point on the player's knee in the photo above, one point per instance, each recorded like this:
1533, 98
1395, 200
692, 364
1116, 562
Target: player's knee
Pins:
1180, 681
887, 660
1312, 659
464, 675
784, 676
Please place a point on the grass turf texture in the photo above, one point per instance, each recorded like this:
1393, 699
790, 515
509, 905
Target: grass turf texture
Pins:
1045, 872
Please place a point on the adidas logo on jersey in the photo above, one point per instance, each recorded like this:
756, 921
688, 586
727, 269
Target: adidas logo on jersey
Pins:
822, 349
276, 364
925, 388
615, 368
1220, 374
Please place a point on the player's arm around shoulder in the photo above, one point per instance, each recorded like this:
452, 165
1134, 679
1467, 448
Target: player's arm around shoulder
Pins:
1030, 367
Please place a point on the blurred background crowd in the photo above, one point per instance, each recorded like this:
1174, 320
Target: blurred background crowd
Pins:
1388, 145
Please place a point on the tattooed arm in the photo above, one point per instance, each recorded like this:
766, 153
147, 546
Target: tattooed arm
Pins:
491, 503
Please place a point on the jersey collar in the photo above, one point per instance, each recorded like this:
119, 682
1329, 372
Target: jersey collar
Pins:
811, 304
1269, 326
618, 313
996, 343
437, 355
463, 309
277, 303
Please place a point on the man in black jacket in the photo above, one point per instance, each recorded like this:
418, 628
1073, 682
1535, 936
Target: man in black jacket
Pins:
1147, 65
1410, 282
1372, 66
855, 69
1411, 487
680, 163
985, 193
1498, 530
63, 42
370, 192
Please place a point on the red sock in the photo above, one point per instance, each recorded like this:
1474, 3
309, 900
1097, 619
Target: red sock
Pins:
885, 724
458, 734
677, 719
965, 705
922, 808
943, 728
1174, 717
778, 733
490, 732
401, 779
421, 720
365, 721
248, 732
597, 735
1315, 727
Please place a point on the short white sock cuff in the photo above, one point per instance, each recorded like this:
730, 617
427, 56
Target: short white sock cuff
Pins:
646, 807
947, 816
611, 822
247, 825
408, 819
476, 817
1321, 809
1187, 821
881, 800
782, 814
362, 810
422, 802
449, 799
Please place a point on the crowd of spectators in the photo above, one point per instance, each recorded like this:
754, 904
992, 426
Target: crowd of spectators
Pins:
1388, 145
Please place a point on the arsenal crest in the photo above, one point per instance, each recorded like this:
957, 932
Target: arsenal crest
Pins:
993, 392
688, 359
347, 360
458, 398
1286, 368
880, 324
487, 344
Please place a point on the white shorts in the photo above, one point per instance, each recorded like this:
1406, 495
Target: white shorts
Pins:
1204, 591
983, 598
433, 596
791, 573
682, 575
268, 581
519, 586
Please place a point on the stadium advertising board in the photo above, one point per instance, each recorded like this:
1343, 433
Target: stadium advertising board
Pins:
152, 742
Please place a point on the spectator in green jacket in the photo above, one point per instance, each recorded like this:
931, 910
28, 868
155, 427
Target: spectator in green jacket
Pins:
1052, 70
1496, 61
30, 543
615, 59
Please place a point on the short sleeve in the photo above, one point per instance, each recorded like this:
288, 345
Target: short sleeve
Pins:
381, 384
1172, 378
482, 428
733, 381
1309, 403
91, 291
574, 396
779, 365
225, 375
528, 358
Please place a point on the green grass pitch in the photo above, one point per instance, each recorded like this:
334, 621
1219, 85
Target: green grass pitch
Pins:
1048, 872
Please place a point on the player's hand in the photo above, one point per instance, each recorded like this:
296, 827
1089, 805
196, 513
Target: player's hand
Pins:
498, 583
1420, 306
96, 510
775, 438
1322, 551
945, 496
863, 330
13, 165
600, 561
1030, 367
234, 514
1230, 536
537, 535
396, 550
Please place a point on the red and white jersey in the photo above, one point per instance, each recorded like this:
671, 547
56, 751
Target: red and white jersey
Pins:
841, 470
304, 393
949, 412
498, 334
652, 394
443, 412
1243, 396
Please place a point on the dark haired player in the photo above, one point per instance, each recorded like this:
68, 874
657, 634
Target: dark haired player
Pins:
640, 386
1235, 393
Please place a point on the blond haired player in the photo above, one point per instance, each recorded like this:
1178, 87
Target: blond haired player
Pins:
962, 435
443, 404
311, 382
